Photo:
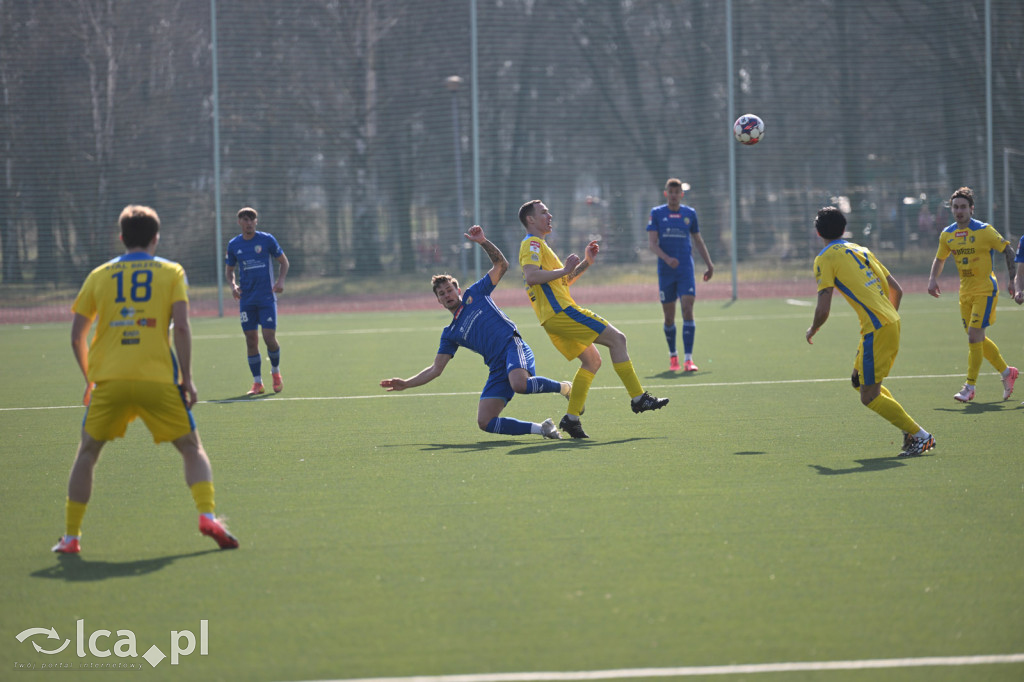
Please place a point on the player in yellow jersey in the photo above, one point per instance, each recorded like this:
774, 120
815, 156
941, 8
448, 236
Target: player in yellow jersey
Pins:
131, 372
573, 330
972, 243
875, 296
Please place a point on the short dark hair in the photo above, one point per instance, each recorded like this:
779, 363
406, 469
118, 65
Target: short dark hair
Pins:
139, 225
674, 182
526, 210
247, 212
963, 193
830, 222
439, 280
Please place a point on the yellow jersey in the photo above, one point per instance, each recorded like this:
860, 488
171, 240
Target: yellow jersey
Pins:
860, 278
551, 297
972, 248
130, 299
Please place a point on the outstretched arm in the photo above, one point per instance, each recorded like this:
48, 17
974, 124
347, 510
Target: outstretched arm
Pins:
427, 375
820, 312
499, 264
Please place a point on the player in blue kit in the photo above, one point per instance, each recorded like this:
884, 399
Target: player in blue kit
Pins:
1018, 280
479, 325
254, 253
672, 233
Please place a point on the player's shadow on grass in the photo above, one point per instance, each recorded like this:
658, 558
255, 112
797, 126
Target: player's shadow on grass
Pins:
545, 446
669, 374
866, 466
977, 408
73, 568
241, 398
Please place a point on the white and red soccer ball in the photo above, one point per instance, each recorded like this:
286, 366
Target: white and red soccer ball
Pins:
748, 129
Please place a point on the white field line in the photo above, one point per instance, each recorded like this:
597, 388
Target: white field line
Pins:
416, 394
698, 671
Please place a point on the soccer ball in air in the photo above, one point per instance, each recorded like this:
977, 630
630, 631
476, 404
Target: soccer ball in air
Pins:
748, 129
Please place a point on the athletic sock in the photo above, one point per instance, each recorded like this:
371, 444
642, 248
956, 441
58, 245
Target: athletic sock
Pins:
74, 512
629, 378
543, 385
275, 360
255, 367
509, 427
580, 387
202, 493
670, 337
890, 410
975, 354
689, 330
992, 354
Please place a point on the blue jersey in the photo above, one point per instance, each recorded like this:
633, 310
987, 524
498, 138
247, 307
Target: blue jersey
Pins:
255, 261
1020, 251
674, 229
480, 326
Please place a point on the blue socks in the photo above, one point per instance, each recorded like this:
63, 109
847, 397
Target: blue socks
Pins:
254, 365
670, 336
509, 427
689, 330
543, 385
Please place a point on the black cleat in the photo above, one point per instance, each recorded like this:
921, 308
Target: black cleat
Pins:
648, 402
572, 427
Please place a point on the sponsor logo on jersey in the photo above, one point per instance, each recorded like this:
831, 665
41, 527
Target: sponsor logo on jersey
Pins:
961, 233
147, 322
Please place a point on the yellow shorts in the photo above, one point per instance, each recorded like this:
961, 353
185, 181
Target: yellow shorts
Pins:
574, 329
877, 353
116, 404
978, 310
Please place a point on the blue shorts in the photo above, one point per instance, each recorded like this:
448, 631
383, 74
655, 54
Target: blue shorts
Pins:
677, 283
518, 355
255, 315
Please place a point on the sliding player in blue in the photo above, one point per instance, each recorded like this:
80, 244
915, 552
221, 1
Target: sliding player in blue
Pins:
479, 325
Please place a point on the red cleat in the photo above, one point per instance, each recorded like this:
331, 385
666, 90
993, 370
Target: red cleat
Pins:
278, 383
215, 529
66, 546
673, 364
257, 389
688, 366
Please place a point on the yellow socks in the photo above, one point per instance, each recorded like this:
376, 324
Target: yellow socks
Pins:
74, 512
202, 493
629, 378
580, 387
890, 410
992, 354
975, 354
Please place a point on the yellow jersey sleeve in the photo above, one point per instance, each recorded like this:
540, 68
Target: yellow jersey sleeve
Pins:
551, 297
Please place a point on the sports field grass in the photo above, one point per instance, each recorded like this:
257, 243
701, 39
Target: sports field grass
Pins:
761, 517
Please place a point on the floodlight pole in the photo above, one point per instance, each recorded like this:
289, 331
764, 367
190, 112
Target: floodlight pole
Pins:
475, 91
454, 83
731, 116
216, 161
988, 108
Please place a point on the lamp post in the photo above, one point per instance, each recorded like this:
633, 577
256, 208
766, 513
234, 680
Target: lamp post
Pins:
454, 83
